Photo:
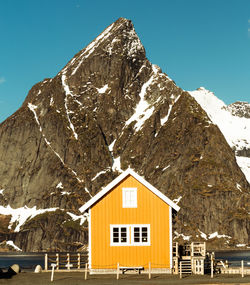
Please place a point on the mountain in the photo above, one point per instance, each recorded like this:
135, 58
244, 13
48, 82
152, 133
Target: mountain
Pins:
108, 109
233, 121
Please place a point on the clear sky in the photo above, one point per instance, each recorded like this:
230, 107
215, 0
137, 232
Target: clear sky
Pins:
196, 42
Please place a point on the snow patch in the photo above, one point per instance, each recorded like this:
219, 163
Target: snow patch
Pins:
1, 191
75, 218
184, 237
176, 201
111, 146
238, 187
33, 109
213, 235
244, 164
203, 235
165, 119
68, 93
86, 189
166, 167
143, 111
51, 101
241, 245
98, 174
117, 164
65, 193
11, 243
20, 215
103, 89
59, 185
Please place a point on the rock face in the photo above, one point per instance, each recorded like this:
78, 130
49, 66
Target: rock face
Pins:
109, 109
240, 109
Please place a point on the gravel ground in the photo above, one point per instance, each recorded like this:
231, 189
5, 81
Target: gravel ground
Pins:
77, 278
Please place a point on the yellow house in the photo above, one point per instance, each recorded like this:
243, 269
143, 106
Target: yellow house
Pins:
130, 223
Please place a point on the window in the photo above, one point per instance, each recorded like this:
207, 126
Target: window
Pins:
140, 234
129, 235
129, 197
119, 235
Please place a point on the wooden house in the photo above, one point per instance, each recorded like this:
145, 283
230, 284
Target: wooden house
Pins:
130, 223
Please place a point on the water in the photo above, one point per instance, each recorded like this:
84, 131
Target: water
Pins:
234, 257
27, 261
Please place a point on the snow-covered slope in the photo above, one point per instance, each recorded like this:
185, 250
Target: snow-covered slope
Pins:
235, 129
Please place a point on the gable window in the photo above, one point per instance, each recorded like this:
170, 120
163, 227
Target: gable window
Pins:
119, 235
129, 197
130, 235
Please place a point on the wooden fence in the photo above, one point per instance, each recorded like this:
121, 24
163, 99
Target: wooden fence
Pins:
65, 261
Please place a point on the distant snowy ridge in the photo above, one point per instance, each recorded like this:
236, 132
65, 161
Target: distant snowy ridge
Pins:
235, 129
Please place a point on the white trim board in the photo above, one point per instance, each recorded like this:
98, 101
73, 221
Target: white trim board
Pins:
118, 179
170, 238
90, 244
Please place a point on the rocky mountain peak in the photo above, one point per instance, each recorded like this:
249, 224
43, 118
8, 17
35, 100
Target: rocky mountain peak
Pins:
119, 38
110, 108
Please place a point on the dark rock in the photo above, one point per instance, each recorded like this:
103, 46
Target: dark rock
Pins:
12, 270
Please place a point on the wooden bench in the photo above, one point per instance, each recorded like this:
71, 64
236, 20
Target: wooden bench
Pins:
135, 268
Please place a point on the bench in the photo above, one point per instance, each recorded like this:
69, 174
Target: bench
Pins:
135, 268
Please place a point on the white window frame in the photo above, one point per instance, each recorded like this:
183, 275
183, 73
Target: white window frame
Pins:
130, 235
112, 243
129, 203
140, 243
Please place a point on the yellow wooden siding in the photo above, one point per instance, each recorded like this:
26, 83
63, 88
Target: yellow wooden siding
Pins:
150, 210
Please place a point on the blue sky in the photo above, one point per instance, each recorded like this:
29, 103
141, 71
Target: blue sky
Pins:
196, 42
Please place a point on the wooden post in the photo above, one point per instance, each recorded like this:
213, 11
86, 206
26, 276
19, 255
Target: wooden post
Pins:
86, 271
53, 265
176, 265
46, 262
149, 270
78, 260
68, 261
181, 270
204, 249
202, 266
117, 273
242, 268
212, 266
57, 261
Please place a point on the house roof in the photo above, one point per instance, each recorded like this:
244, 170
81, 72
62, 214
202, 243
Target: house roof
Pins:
118, 179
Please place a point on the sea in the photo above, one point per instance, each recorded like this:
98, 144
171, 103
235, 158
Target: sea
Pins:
28, 261
234, 257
